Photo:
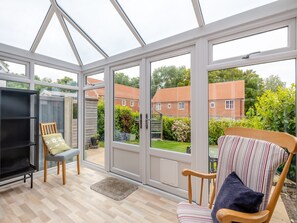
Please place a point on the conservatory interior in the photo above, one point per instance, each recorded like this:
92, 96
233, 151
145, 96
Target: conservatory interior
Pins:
143, 89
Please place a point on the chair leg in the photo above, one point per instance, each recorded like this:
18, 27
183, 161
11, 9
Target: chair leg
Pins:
64, 171
45, 170
58, 167
78, 164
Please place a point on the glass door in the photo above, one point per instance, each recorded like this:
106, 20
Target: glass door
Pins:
126, 125
168, 122
94, 115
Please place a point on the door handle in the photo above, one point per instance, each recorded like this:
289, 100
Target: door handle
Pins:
146, 121
140, 121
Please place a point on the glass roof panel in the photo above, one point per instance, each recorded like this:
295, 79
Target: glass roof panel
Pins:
155, 19
100, 20
86, 51
21, 20
55, 44
214, 10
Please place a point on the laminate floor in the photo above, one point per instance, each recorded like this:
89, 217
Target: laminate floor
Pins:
76, 202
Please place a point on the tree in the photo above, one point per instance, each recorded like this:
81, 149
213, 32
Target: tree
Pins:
67, 81
168, 77
273, 82
254, 84
18, 85
121, 78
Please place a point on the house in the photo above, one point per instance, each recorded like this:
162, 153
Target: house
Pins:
226, 100
124, 95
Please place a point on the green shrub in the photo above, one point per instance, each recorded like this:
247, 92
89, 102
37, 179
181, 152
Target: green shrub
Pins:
216, 127
100, 120
167, 128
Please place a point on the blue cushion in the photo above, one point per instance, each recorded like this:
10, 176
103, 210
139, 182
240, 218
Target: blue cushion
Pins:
236, 196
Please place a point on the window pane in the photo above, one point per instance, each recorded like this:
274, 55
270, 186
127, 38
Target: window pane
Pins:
258, 96
126, 117
109, 34
212, 9
13, 84
156, 20
261, 42
51, 75
170, 84
55, 44
21, 20
94, 79
86, 51
60, 106
12, 68
94, 126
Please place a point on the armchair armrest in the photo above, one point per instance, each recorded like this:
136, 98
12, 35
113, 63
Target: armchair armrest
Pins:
208, 176
187, 172
227, 216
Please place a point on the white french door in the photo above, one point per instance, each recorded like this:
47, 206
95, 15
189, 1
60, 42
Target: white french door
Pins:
156, 155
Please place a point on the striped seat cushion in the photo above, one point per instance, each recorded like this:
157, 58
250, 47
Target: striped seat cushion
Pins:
254, 161
188, 213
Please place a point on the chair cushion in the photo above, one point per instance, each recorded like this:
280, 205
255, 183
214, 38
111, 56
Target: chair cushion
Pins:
55, 143
254, 161
63, 156
193, 213
236, 196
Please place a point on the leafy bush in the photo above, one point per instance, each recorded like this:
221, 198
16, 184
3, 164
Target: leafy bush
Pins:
167, 128
100, 120
181, 130
125, 120
216, 127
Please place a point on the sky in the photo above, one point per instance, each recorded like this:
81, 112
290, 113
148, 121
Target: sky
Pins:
54, 42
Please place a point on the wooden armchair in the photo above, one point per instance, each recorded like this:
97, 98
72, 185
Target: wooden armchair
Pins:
51, 128
263, 147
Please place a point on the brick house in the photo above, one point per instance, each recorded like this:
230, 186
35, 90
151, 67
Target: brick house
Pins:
124, 95
174, 102
226, 100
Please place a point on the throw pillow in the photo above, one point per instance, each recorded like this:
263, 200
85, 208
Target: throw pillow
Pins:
55, 143
236, 196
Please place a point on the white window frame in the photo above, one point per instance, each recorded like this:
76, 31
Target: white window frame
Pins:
124, 102
212, 104
231, 104
169, 105
26, 64
181, 105
265, 28
158, 106
132, 103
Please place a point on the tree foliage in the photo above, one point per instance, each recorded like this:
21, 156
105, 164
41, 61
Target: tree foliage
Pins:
273, 82
276, 110
66, 81
121, 78
168, 77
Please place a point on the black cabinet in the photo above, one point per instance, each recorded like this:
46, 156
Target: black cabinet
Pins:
19, 129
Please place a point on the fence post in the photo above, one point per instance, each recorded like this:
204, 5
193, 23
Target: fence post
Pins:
68, 113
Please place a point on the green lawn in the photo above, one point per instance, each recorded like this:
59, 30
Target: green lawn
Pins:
170, 145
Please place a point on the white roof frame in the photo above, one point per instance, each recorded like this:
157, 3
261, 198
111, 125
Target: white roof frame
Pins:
42, 29
198, 12
79, 29
127, 21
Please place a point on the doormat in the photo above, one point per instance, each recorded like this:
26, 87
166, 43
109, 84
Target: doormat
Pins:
114, 188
